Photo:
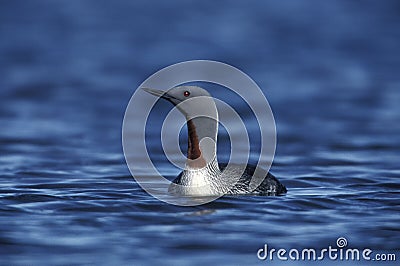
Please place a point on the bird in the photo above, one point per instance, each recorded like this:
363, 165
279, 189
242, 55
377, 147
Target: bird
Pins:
203, 175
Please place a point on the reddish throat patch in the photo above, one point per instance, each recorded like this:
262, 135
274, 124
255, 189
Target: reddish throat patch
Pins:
195, 159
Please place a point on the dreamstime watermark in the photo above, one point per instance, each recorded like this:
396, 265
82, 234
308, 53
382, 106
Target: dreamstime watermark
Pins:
339, 252
141, 104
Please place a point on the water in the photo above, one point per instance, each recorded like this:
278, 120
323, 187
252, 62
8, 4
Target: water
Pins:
68, 69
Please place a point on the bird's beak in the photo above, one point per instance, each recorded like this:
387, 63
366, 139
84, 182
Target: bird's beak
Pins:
162, 94
154, 92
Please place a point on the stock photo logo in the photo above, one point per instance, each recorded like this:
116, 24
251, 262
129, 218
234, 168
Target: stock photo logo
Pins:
202, 178
340, 252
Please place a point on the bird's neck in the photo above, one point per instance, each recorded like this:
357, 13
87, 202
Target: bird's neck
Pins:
202, 142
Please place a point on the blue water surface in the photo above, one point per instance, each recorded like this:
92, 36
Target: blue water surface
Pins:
330, 71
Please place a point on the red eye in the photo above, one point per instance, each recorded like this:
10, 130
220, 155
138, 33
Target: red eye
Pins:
186, 93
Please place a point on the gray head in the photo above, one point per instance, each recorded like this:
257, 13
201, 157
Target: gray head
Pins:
192, 101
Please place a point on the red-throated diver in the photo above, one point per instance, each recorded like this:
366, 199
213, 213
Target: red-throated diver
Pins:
203, 176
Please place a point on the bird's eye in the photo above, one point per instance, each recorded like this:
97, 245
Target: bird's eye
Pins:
186, 93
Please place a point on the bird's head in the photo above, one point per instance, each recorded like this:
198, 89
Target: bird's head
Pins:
192, 101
